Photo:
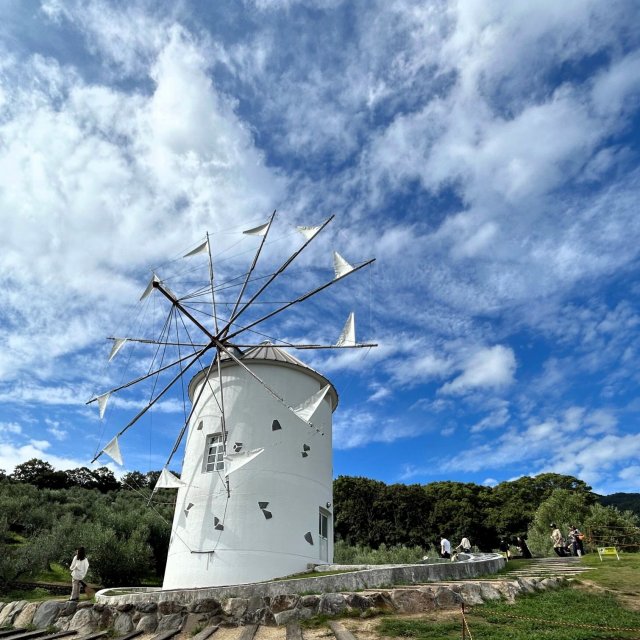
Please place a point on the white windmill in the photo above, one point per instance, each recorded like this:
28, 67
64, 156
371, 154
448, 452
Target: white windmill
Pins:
254, 497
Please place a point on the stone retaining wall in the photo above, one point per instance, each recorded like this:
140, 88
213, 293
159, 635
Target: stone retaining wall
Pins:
473, 566
152, 617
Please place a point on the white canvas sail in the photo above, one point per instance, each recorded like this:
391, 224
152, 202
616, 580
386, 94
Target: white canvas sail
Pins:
113, 451
168, 481
309, 406
257, 231
199, 249
340, 265
235, 461
348, 336
118, 343
149, 288
102, 403
308, 232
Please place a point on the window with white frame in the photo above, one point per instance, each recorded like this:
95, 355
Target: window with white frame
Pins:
214, 453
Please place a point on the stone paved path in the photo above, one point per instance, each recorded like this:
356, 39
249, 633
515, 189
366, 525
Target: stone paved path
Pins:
544, 568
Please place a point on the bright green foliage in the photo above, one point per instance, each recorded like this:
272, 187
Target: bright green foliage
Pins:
608, 527
16, 560
515, 503
604, 526
398, 554
369, 512
564, 508
118, 560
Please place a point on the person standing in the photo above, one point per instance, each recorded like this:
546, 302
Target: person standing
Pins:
445, 548
558, 541
575, 536
504, 547
79, 567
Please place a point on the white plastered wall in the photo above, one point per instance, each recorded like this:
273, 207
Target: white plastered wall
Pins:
252, 547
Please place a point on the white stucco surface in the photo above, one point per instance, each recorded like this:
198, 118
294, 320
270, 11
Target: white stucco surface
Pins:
251, 547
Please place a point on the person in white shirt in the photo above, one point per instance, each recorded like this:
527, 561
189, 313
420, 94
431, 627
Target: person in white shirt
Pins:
464, 546
445, 547
79, 567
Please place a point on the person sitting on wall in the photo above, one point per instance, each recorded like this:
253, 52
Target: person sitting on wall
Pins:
464, 546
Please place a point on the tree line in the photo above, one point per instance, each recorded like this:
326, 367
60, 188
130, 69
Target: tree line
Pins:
370, 513
45, 514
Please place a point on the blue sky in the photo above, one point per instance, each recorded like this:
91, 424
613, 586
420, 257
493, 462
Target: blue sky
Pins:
484, 152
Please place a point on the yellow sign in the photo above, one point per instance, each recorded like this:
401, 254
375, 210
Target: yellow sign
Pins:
608, 551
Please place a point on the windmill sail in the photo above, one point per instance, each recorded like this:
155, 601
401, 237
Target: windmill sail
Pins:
340, 265
308, 232
149, 289
113, 451
199, 249
348, 336
309, 406
235, 461
118, 343
102, 403
257, 231
168, 481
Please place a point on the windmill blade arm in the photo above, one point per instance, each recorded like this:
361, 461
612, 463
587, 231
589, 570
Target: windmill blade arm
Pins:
193, 408
251, 269
166, 388
286, 263
148, 375
288, 345
163, 343
167, 294
300, 299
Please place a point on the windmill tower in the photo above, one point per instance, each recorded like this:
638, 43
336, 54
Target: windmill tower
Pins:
277, 516
254, 498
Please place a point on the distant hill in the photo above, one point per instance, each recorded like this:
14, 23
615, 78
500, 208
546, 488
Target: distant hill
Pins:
622, 501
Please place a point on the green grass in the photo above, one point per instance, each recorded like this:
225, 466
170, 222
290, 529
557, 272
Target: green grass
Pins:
56, 573
552, 612
33, 595
621, 576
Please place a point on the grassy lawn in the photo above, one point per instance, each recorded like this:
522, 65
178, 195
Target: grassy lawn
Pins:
603, 596
621, 577
56, 573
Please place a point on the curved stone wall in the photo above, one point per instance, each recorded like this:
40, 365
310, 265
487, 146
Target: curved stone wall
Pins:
370, 578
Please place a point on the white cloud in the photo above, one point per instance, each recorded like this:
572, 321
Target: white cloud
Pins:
492, 367
497, 418
10, 428
560, 444
357, 428
12, 455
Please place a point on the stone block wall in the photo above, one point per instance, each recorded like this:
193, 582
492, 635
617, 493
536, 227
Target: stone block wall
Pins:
88, 617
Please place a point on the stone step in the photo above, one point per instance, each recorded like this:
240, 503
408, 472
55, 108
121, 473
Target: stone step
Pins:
340, 631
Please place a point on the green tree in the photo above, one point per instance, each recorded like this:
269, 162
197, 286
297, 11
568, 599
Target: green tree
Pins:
134, 480
118, 560
40, 473
563, 507
514, 503
459, 509
607, 526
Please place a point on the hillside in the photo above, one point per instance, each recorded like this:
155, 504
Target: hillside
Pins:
622, 501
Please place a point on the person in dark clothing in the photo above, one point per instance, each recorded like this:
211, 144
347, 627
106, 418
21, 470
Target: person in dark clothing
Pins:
521, 543
504, 547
